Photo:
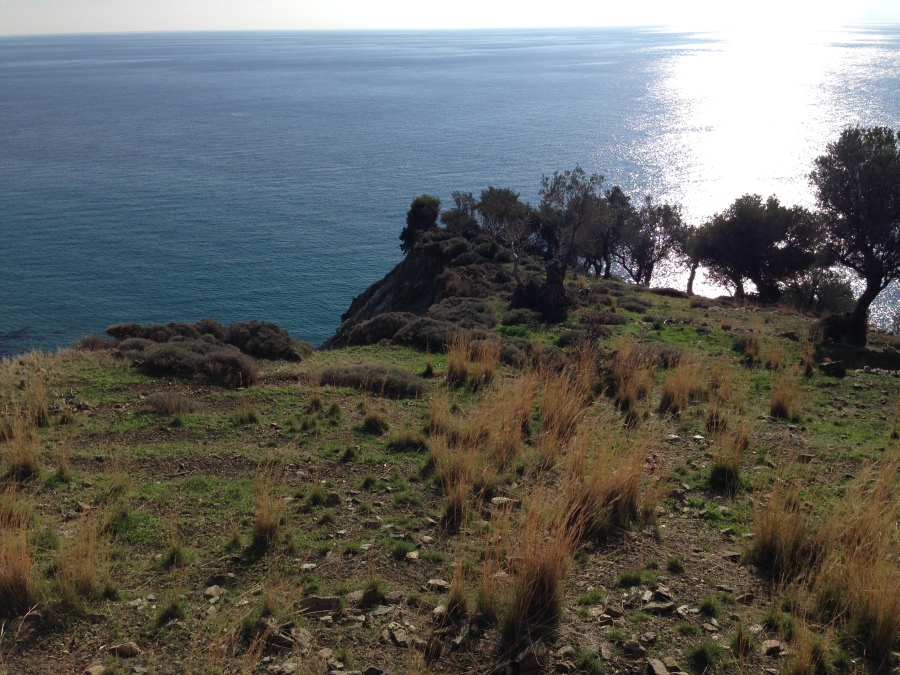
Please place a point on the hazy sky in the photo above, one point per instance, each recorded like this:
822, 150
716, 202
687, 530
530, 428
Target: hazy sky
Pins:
89, 16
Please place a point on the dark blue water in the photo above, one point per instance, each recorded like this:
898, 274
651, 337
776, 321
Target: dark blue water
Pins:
174, 176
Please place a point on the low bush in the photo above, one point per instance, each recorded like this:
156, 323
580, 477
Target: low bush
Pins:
262, 339
597, 317
94, 343
465, 312
634, 304
521, 316
376, 378
382, 327
230, 369
669, 292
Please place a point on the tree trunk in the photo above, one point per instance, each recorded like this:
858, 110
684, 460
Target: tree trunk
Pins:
738, 289
690, 285
859, 319
516, 275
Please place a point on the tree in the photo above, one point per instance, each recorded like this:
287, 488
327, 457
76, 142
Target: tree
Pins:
571, 203
507, 222
649, 238
422, 216
762, 242
857, 184
461, 218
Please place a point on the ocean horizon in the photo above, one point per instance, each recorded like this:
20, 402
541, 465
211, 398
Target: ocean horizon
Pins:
155, 177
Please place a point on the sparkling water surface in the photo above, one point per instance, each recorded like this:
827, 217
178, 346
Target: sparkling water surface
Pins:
166, 177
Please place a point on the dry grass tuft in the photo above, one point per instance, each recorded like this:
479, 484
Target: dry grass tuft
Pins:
808, 353
486, 362
783, 541
633, 371
680, 386
727, 450
268, 505
16, 510
784, 395
774, 358
602, 484
459, 353
509, 412
18, 581
22, 454
545, 544
79, 562
562, 404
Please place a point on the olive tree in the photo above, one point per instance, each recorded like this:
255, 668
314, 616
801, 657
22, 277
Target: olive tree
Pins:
651, 236
762, 242
857, 184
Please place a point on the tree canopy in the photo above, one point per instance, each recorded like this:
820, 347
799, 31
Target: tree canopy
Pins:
422, 216
762, 242
649, 237
857, 184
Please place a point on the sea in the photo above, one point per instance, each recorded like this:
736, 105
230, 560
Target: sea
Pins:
173, 176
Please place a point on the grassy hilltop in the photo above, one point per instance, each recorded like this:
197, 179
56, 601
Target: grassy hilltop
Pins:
658, 480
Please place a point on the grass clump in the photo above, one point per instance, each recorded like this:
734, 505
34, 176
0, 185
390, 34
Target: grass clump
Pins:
727, 450
545, 544
784, 395
78, 564
22, 454
18, 581
373, 421
704, 655
680, 386
459, 353
376, 378
268, 505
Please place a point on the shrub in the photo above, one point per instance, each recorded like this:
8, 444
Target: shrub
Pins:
465, 312
377, 379
94, 343
634, 304
230, 369
382, 327
427, 333
593, 318
520, 316
263, 340
669, 292
207, 326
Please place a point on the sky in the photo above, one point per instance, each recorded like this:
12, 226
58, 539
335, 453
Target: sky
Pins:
24, 17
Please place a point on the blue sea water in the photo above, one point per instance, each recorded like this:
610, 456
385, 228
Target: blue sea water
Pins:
162, 177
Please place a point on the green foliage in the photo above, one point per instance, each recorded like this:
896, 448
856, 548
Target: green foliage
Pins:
763, 242
422, 216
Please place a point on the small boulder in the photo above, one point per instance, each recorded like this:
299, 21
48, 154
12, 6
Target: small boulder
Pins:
656, 667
